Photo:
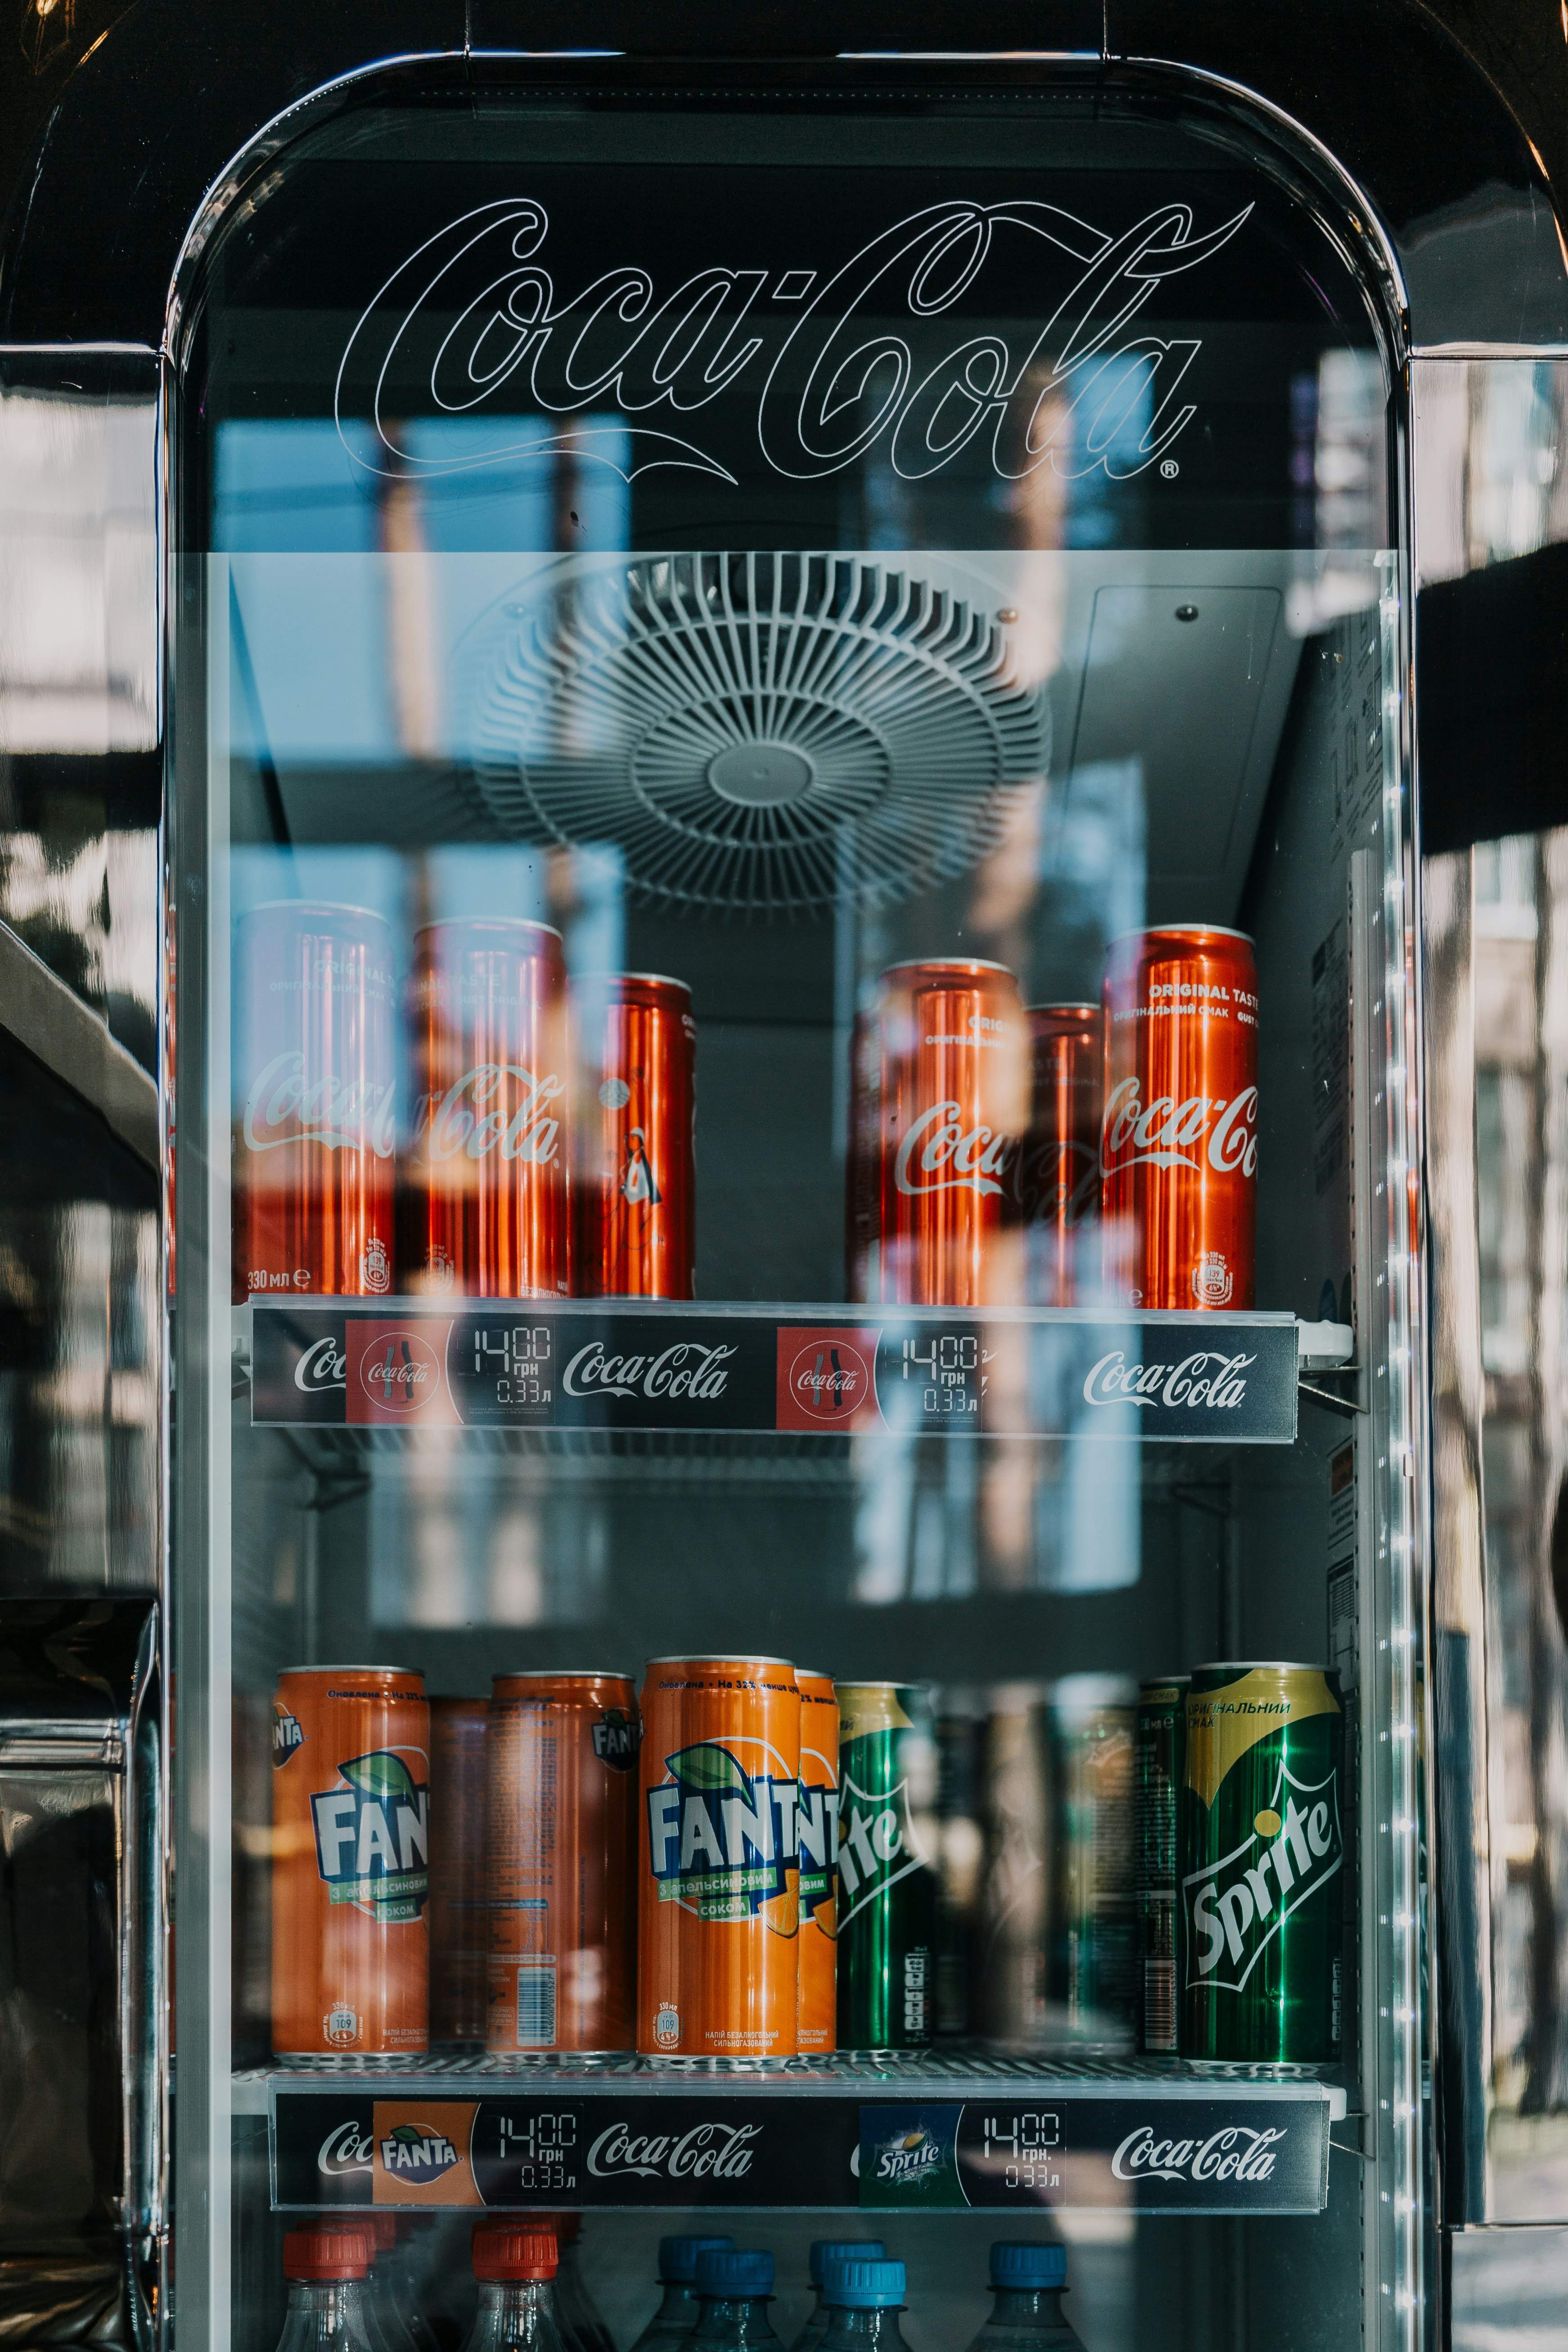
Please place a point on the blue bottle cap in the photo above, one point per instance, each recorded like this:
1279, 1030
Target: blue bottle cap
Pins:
1028, 2265
855, 2285
677, 2256
841, 2250
725, 2271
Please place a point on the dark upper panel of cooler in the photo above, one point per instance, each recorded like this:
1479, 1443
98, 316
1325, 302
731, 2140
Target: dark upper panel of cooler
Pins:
569, 331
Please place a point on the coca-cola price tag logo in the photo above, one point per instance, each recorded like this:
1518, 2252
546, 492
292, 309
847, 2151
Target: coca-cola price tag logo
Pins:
917, 346
830, 1379
400, 1372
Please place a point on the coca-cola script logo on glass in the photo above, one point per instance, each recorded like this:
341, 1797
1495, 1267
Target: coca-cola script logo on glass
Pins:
481, 1113
709, 2150
688, 1369
345, 1115
830, 365
1235, 2152
1171, 1134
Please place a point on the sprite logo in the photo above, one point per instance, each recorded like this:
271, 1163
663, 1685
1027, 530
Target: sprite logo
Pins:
907, 2156
1237, 1905
721, 1838
877, 1845
372, 1837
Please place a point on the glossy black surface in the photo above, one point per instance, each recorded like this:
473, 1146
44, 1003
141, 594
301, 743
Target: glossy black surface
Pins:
1436, 124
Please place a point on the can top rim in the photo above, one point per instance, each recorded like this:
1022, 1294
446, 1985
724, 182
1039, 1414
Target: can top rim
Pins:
486, 923
563, 1674
1068, 1005
1181, 931
869, 1682
641, 978
719, 1658
946, 964
344, 1668
1258, 1666
314, 907
1163, 1682
815, 1675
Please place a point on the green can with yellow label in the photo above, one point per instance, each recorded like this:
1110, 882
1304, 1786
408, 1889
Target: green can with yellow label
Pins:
1261, 1858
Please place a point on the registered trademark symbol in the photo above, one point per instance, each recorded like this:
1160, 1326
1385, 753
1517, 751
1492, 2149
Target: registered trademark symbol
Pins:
1170, 469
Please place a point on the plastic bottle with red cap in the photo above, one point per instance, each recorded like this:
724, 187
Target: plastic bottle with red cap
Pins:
391, 2321
576, 2314
514, 2270
325, 2269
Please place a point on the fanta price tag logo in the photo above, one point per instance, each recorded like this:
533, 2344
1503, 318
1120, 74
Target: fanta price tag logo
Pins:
616, 1738
877, 1844
721, 1839
288, 1735
417, 2152
372, 1837
1238, 1906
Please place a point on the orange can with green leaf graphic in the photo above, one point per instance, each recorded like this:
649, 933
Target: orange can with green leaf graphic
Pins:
350, 1862
816, 2023
718, 1912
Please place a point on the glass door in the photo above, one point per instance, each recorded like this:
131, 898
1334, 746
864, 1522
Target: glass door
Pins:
793, 1328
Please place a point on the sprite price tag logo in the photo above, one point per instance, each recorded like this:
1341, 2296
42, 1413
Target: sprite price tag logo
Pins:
877, 1844
721, 1838
372, 1837
1237, 1905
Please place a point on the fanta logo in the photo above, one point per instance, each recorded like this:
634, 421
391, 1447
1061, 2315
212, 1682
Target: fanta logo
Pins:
286, 1107
1236, 1905
1235, 2152
493, 1107
721, 1838
287, 1736
907, 2157
688, 1369
1171, 1134
417, 2153
877, 1844
937, 1153
616, 1738
323, 1365
1217, 1382
372, 1837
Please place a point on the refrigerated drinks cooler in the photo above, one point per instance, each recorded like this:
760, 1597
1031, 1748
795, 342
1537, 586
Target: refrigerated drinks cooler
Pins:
799, 1358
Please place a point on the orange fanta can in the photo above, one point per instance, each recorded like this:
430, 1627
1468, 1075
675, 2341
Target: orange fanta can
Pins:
718, 1911
818, 1838
350, 1862
562, 1869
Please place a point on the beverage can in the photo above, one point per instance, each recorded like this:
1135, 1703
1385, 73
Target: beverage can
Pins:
1178, 1155
718, 1968
961, 1738
817, 2016
862, 1159
1159, 1743
486, 1181
637, 1191
1015, 1910
887, 1884
460, 1908
315, 1102
953, 1097
1094, 1971
562, 1860
1058, 1168
350, 1846
1260, 1848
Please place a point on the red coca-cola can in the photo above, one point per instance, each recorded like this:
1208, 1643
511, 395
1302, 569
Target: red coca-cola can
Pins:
1178, 1155
637, 1190
315, 1101
487, 1183
1058, 1167
862, 1161
952, 1106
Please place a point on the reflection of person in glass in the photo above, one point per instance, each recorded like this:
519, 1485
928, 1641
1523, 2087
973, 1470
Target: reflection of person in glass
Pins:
639, 1185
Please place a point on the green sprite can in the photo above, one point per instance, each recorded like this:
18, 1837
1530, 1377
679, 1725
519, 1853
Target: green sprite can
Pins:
1158, 1743
887, 1888
1261, 1847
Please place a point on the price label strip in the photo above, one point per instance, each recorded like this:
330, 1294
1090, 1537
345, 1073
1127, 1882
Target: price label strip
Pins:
1236, 2148
1227, 1379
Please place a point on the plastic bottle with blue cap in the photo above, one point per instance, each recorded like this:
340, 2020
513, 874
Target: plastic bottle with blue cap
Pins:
1026, 2279
677, 2315
734, 2287
864, 2298
829, 2249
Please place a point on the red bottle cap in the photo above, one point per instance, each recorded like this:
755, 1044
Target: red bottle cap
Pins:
325, 2254
514, 2253
380, 2228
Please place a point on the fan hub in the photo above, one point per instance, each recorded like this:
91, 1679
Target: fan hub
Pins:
760, 775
